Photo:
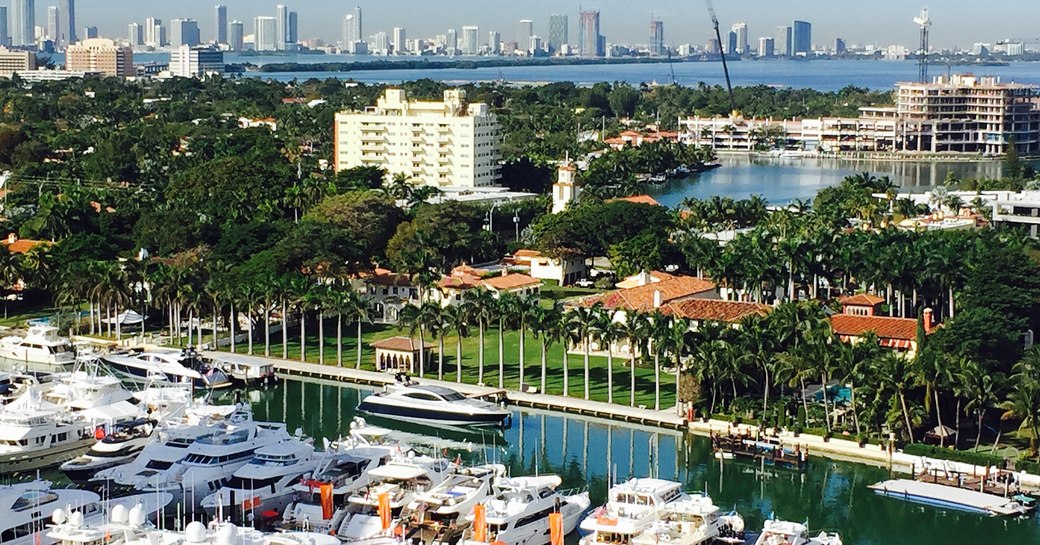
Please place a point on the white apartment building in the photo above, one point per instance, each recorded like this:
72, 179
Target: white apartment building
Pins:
196, 62
875, 130
447, 144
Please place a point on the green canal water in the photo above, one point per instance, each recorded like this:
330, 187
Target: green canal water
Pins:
830, 495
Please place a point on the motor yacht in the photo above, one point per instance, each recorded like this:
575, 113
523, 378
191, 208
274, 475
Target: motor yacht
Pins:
692, 520
781, 532
117, 446
41, 345
405, 476
85, 388
171, 365
36, 434
631, 508
264, 485
245, 370
439, 514
411, 401
518, 512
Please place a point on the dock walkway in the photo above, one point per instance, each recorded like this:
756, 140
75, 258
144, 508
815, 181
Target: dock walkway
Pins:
945, 496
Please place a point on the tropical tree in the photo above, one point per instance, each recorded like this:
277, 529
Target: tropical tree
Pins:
635, 328
480, 306
977, 387
459, 319
505, 310
523, 312
548, 326
607, 332
582, 322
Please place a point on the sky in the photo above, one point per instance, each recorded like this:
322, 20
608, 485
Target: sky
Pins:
881, 22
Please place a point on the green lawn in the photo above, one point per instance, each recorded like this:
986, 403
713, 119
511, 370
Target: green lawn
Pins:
470, 362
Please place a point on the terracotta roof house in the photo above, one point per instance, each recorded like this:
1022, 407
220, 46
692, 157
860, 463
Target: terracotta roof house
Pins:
565, 271
17, 245
638, 199
715, 310
464, 278
896, 333
647, 297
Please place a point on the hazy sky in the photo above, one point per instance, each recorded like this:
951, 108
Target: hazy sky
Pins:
883, 22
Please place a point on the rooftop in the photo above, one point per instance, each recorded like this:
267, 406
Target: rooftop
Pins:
714, 310
642, 298
862, 300
400, 344
883, 326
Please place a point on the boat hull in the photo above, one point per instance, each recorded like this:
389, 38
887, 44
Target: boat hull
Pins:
425, 415
141, 373
39, 459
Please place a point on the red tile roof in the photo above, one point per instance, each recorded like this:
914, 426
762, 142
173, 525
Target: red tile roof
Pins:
641, 299
714, 310
22, 245
400, 344
527, 253
883, 326
511, 281
862, 300
638, 199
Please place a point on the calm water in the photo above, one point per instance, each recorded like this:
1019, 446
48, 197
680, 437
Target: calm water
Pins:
830, 495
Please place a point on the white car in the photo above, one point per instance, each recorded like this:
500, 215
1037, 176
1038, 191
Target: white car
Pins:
585, 283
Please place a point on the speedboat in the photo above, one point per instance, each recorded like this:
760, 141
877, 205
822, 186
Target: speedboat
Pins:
118, 446
426, 403
440, 512
517, 513
264, 484
692, 520
631, 508
782, 532
172, 365
42, 345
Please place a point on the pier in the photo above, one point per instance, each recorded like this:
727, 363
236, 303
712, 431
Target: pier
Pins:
947, 496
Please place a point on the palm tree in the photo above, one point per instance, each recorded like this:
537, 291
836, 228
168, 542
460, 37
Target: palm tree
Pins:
548, 326
458, 317
1023, 403
634, 329
607, 331
318, 298
894, 373
362, 314
300, 290
505, 309
977, 386
419, 318
658, 334
583, 325
439, 323
480, 304
343, 300
523, 313
677, 342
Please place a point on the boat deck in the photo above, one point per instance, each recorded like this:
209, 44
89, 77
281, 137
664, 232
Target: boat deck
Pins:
942, 496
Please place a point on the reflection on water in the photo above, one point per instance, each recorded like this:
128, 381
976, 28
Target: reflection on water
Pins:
784, 180
590, 452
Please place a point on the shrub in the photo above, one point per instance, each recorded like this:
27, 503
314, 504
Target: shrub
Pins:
962, 456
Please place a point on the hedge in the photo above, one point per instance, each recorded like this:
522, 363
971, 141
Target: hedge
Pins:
963, 456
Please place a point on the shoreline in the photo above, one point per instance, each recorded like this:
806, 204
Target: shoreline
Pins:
857, 157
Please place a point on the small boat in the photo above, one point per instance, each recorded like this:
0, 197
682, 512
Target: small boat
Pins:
411, 401
243, 369
517, 513
265, 483
118, 446
940, 495
42, 345
781, 532
173, 365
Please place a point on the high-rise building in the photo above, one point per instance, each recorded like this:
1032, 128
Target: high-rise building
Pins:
5, 36
184, 32
782, 42
462, 140
281, 26
352, 31
731, 42
221, 29
380, 43
91, 32
558, 32
801, 38
23, 22
399, 39
525, 31
657, 38
236, 35
839, 46
534, 46
196, 62
134, 35
154, 32
100, 55
67, 16
713, 47
294, 29
589, 36
451, 42
766, 47
12, 61
53, 31
265, 34
494, 43
470, 40
740, 29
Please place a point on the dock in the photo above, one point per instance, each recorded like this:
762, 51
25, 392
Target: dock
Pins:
767, 450
950, 497
612, 411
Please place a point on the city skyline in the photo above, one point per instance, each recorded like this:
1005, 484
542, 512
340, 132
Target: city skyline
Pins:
958, 23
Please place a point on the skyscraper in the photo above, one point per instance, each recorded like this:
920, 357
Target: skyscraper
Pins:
53, 30
184, 32
352, 30
90, 32
801, 40
134, 35
731, 42
657, 38
558, 32
221, 30
766, 46
470, 41
782, 43
265, 34
281, 28
839, 46
525, 31
236, 35
589, 36
399, 39
154, 34
494, 43
23, 22
740, 29
5, 36
294, 29
451, 42
67, 16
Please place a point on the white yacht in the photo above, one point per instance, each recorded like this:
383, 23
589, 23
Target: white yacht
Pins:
426, 404
42, 345
440, 512
518, 513
130, 527
210, 462
692, 520
781, 532
631, 508
121, 444
36, 434
401, 480
265, 483
172, 365
84, 389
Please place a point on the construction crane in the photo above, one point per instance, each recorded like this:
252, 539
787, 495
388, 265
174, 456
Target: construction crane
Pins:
722, 51
924, 22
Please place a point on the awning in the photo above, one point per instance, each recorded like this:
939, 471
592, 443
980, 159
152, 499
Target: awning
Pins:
122, 410
397, 471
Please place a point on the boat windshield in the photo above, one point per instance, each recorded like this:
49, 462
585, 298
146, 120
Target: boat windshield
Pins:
33, 498
230, 438
272, 460
454, 396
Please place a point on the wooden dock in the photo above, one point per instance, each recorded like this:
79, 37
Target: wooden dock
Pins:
768, 450
664, 419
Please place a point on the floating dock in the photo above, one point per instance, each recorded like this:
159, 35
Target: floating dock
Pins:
949, 497
767, 450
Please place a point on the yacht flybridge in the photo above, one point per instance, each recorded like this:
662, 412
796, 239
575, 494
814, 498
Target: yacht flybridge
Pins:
42, 345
